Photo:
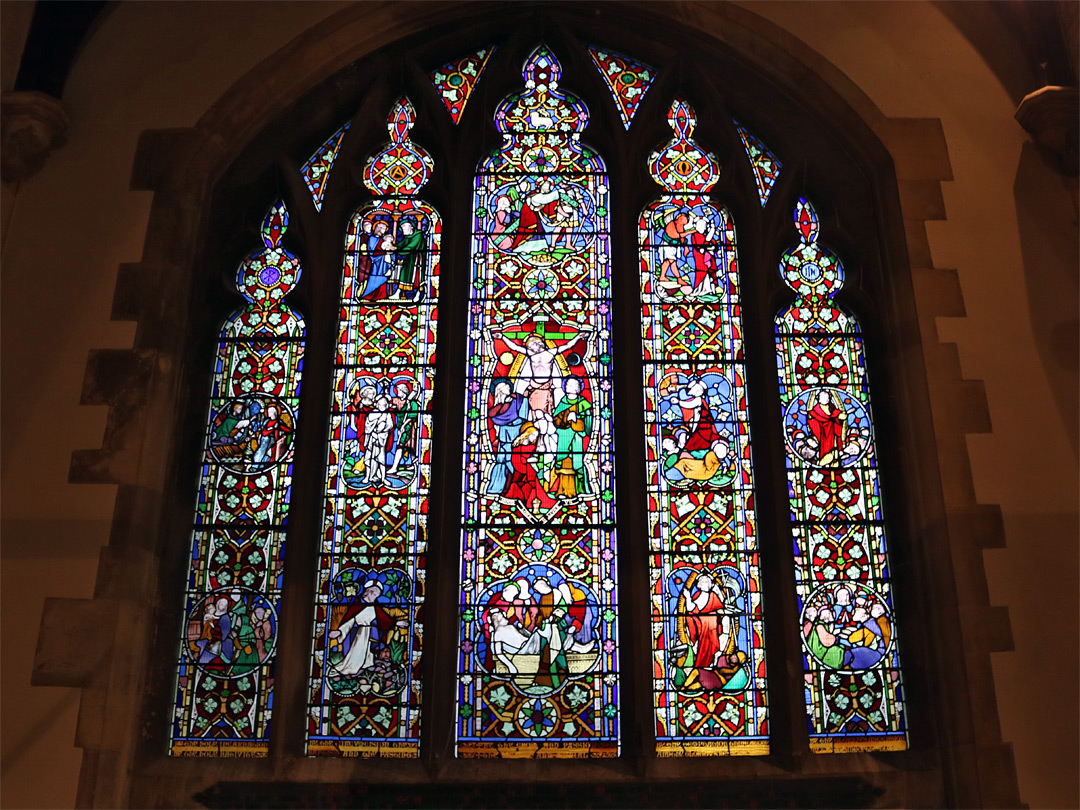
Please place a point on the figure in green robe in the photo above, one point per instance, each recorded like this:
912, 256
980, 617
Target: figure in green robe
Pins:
406, 422
246, 652
573, 422
822, 642
408, 248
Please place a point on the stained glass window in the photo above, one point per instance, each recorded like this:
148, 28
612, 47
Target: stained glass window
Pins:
764, 164
225, 685
537, 654
854, 695
627, 79
365, 684
316, 171
537, 672
456, 80
707, 631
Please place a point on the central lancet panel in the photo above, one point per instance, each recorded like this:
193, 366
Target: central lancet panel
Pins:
537, 671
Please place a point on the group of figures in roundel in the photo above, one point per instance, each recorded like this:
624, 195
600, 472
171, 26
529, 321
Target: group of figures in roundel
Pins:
697, 428
231, 632
538, 629
370, 627
252, 433
382, 436
706, 609
846, 626
827, 427
388, 256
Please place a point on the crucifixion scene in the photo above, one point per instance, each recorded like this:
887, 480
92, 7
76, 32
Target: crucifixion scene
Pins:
540, 414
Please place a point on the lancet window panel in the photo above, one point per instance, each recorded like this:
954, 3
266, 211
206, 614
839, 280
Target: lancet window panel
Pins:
225, 674
538, 671
366, 673
710, 691
853, 689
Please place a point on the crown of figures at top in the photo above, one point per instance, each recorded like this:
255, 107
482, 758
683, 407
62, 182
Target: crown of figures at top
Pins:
809, 269
272, 272
402, 166
541, 108
681, 166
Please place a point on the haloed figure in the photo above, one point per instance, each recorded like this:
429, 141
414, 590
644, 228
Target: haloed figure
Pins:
377, 428
573, 423
407, 416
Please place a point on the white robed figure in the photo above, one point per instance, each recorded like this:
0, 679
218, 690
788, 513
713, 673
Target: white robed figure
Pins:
355, 632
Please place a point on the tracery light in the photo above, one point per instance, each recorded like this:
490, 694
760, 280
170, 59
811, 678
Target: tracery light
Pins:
627, 79
763, 163
456, 80
316, 171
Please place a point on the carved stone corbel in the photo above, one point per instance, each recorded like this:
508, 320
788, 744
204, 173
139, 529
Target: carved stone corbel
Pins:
32, 125
1051, 115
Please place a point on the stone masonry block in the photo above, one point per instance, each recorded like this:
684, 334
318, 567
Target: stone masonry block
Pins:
74, 641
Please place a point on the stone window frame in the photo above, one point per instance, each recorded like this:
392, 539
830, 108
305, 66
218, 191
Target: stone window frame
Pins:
156, 393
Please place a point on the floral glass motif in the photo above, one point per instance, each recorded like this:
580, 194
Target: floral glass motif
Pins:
709, 685
455, 81
854, 694
538, 648
365, 676
627, 79
764, 164
316, 171
225, 684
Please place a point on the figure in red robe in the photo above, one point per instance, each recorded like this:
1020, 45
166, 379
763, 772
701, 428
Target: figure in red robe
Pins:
697, 418
827, 421
524, 484
712, 636
529, 226
704, 262
703, 623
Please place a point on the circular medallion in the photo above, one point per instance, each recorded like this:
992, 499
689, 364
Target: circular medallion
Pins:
541, 159
540, 283
269, 276
847, 626
231, 632
827, 427
536, 545
536, 717
252, 433
811, 272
